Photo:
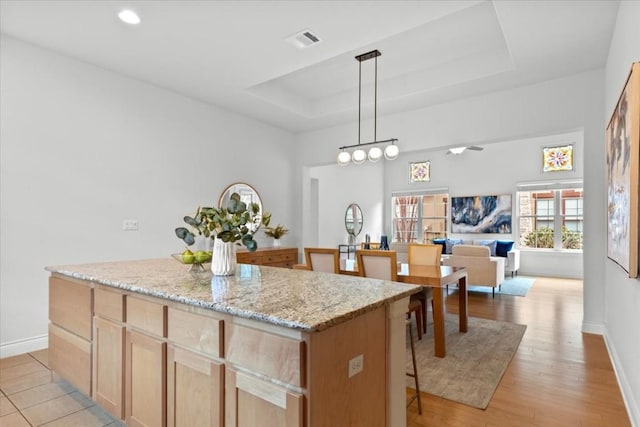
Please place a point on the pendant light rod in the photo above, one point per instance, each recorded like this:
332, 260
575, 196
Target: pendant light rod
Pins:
361, 58
375, 102
359, 97
391, 140
358, 156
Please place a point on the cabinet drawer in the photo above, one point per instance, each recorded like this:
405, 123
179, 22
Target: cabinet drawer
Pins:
70, 357
278, 258
249, 258
109, 304
201, 333
251, 401
279, 357
147, 316
70, 306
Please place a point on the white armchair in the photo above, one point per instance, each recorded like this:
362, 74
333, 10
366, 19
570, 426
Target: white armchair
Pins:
482, 268
512, 262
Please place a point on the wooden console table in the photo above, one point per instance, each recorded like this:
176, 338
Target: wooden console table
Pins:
274, 257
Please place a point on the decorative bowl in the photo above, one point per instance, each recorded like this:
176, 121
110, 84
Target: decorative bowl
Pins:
195, 267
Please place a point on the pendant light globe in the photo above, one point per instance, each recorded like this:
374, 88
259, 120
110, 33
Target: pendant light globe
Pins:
344, 158
375, 154
358, 156
391, 152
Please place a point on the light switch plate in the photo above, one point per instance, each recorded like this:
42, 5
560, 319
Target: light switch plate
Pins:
130, 225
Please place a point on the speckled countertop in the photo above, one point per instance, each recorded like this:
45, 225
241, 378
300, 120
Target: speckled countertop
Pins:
298, 299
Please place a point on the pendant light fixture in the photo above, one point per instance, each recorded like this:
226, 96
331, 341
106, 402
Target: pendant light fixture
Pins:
375, 153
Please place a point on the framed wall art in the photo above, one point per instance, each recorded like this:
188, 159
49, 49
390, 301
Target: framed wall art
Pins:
555, 159
623, 158
420, 171
481, 214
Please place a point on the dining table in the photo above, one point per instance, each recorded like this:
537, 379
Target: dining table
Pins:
437, 277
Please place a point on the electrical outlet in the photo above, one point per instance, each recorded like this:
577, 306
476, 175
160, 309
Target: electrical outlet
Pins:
356, 365
130, 225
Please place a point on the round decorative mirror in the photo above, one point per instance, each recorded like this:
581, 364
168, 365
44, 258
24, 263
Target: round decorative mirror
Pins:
247, 193
353, 219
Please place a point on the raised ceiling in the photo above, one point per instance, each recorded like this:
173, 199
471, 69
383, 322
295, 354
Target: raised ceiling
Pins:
233, 54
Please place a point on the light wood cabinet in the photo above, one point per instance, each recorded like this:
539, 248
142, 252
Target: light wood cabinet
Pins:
280, 357
70, 357
108, 359
195, 393
254, 402
156, 362
273, 257
70, 308
108, 350
146, 380
146, 362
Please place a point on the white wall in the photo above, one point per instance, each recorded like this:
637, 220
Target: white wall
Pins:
622, 295
83, 148
338, 188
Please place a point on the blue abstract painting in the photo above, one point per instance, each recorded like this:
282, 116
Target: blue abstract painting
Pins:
481, 214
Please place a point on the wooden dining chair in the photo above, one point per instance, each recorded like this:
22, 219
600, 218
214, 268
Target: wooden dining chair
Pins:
322, 259
383, 265
429, 255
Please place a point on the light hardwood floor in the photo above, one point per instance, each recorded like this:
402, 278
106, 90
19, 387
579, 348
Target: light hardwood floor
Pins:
558, 377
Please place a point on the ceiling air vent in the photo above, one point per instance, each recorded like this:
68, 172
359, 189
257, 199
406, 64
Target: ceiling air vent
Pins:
304, 39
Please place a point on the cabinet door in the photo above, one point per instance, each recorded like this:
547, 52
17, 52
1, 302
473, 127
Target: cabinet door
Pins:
70, 357
252, 402
108, 360
146, 381
195, 390
70, 306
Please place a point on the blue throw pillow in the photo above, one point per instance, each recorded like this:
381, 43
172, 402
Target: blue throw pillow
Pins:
450, 243
440, 242
503, 246
492, 244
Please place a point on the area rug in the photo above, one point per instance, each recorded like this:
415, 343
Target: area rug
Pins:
474, 364
518, 286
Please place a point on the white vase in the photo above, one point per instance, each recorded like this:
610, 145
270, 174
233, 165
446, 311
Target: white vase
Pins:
223, 262
276, 243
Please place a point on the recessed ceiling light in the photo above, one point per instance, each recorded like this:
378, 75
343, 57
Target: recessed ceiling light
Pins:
129, 16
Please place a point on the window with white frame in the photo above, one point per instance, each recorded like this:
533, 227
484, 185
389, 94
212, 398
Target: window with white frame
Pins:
419, 217
550, 218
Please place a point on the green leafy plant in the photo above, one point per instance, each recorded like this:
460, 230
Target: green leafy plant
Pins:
231, 224
276, 232
543, 238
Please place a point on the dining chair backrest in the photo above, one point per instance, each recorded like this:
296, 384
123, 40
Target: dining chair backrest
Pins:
424, 254
377, 264
322, 259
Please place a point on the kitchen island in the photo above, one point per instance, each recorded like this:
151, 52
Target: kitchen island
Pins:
156, 345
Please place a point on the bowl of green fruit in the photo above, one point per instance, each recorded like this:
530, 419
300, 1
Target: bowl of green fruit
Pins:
194, 259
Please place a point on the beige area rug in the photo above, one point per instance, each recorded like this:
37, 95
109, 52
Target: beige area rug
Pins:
475, 361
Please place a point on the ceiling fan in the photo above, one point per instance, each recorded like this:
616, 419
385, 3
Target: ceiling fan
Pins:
460, 150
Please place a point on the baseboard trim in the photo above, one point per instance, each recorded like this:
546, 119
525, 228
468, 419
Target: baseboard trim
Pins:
627, 396
593, 328
26, 345
553, 275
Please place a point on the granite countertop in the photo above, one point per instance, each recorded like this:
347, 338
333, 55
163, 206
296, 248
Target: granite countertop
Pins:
297, 299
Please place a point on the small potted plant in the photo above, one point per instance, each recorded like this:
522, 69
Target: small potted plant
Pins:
228, 227
276, 232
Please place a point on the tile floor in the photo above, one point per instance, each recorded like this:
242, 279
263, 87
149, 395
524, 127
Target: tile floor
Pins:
30, 397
